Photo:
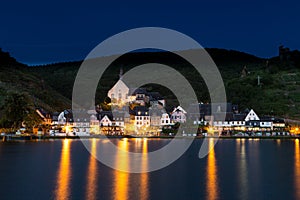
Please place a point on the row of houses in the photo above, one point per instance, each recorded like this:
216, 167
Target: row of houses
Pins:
233, 120
140, 120
150, 121
138, 111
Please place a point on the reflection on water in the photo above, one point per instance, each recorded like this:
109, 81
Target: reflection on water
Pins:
144, 176
91, 186
297, 169
121, 179
64, 172
257, 162
212, 182
242, 167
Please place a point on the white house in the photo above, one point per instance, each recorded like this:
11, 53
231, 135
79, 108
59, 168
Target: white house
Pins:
165, 120
252, 116
105, 121
81, 128
178, 115
142, 117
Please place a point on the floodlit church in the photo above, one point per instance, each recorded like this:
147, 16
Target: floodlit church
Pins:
119, 92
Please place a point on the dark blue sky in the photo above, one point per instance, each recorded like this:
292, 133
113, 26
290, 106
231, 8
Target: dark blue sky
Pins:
36, 31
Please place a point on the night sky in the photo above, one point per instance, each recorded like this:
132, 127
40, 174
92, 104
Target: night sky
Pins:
39, 32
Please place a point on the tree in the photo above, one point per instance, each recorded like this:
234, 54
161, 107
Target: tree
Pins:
18, 108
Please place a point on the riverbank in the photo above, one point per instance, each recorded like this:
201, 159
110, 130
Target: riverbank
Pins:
35, 137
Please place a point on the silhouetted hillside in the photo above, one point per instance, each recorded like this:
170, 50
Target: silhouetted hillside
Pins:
17, 78
269, 86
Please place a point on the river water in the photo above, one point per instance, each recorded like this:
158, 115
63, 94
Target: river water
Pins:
234, 169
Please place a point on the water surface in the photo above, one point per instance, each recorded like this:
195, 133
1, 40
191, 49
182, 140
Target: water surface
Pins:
234, 169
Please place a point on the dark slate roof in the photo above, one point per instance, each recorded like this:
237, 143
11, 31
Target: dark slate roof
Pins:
155, 96
68, 115
228, 116
207, 110
118, 116
55, 116
102, 114
266, 119
272, 119
134, 91
160, 103
144, 111
278, 120
239, 117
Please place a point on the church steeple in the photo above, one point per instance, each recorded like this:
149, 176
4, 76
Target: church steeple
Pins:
121, 73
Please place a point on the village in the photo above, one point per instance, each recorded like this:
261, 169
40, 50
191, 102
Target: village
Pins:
137, 112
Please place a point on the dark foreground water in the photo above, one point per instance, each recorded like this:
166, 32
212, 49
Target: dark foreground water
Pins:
235, 169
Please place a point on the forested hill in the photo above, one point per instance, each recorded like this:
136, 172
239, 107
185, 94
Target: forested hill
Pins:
17, 78
277, 92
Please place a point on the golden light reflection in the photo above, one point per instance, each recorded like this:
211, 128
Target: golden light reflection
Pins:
120, 189
91, 187
64, 172
297, 168
243, 171
144, 176
278, 141
212, 182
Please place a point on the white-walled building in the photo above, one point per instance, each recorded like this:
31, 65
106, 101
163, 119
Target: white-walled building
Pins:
142, 117
165, 120
178, 115
251, 116
119, 93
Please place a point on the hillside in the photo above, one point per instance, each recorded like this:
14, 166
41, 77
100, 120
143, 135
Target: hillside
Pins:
17, 78
66, 72
277, 94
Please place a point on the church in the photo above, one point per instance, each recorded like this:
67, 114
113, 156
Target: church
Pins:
119, 92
